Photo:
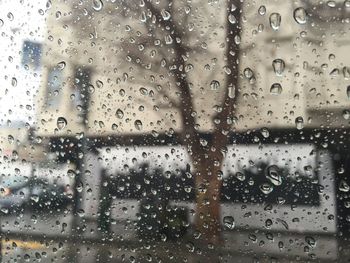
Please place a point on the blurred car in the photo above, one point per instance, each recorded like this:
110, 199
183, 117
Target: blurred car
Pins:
16, 193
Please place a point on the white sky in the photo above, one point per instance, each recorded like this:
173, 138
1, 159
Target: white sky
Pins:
27, 24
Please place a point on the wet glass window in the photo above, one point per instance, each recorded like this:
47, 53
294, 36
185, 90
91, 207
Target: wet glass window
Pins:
174, 131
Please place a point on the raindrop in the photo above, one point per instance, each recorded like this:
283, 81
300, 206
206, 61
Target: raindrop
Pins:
165, 14
300, 15
283, 222
214, 85
299, 123
248, 73
331, 4
346, 114
119, 113
99, 84
168, 39
229, 222
268, 223
275, 21
274, 175
61, 65
97, 5
10, 16
346, 73
61, 123
262, 10
278, 66
310, 241
14, 82
348, 91
276, 89
138, 125
232, 19
1, 22
266, 188
347, 3
343, 186
334, 72
265, 132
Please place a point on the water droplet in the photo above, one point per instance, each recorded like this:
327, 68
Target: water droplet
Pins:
343, 186
138, 125
299, 122
310, 241
266, 188
346, 114
265, 132
1, 22
214, 85
331, 4
268, 223
348, 91
168, 39
165, 14
61, 123
278, 66
347, 3
346, 73
273, 173
229, 222
61, 65
334, 72
248, 73
119, 113
300, 15
275, 21
276, 89
10, 16
283, 222
97, 5
14, 82
262, 10
232, 19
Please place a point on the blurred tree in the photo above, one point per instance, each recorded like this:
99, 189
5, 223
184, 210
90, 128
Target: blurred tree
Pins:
167, 31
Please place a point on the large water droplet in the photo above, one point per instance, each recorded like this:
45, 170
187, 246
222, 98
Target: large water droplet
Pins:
138, 125
275, 21
229, 222
310, 241
248, 73
214, 85
273, 173
299, 123
14, 82
276, 89
61, 65
165, 14
331, 4
97, 5
343, 186
346, 114
346, 73
119, 113
232, 19
278, 66
300, 15
266, 188
61, 123
262, 10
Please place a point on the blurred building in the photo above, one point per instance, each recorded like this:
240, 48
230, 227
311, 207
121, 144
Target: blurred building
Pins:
88, 76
